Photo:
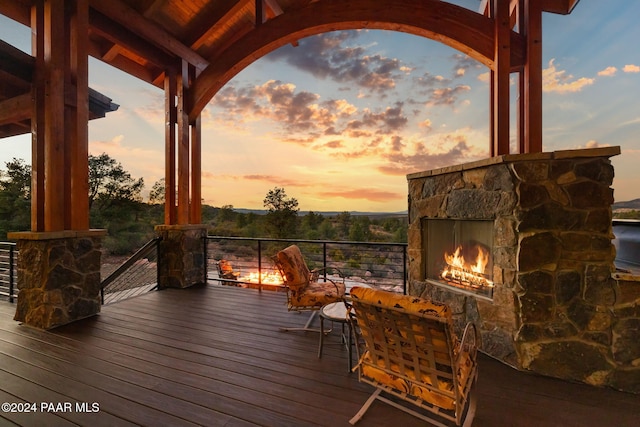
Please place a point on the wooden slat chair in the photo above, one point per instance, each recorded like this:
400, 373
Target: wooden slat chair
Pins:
304, 291
412, 354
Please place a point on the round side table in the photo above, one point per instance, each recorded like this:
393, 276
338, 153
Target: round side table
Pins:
336, 312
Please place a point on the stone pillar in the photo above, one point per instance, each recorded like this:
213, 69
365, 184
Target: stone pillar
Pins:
181, 255
58, 276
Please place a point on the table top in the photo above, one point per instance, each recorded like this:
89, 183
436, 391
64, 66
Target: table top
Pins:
335, 311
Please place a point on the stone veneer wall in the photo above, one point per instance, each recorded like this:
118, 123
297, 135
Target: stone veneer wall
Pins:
556, 309
181, 256
58, 277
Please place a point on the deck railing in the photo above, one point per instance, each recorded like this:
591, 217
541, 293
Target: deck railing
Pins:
8, 266
137, 275
378, 264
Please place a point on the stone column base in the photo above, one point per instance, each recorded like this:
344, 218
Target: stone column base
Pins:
181, 255
58, 276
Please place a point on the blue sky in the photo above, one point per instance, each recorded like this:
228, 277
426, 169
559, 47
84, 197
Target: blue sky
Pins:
340, 120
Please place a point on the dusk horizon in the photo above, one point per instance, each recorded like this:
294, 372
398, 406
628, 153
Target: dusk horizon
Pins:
340, 120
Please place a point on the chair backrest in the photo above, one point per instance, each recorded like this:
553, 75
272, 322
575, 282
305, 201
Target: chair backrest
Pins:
407, 336
292, 266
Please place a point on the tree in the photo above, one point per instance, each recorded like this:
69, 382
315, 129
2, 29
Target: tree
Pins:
110, 184
15, 197
359, 230
156, 195
282, 216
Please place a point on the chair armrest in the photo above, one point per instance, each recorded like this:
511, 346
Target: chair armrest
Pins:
469, 342
315, 273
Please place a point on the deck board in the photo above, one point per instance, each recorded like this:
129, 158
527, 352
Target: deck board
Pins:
213, 355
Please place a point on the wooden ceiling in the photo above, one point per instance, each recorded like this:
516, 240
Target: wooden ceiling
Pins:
146, 37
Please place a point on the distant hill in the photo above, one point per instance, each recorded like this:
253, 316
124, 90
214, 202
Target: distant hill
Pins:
328, 213
631, 204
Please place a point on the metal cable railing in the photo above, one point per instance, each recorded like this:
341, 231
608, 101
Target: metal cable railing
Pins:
8, 270
136, 276
381, 265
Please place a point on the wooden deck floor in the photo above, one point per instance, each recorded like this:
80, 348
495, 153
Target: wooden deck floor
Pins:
214, 356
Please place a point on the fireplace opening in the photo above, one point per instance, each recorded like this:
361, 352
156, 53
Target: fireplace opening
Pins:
459, 254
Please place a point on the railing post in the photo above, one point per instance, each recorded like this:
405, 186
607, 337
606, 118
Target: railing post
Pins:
11, 275
404, 269
205, 279
259, 265
324, 259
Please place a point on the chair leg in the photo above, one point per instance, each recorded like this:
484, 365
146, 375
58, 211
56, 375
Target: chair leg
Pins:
306, 327
471, 411
365, 407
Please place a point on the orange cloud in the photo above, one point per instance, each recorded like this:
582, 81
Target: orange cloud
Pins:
607, 72
554, 80
365, 194
630, 68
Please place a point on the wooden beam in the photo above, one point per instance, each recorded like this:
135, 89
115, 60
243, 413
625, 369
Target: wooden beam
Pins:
17, 10
455, 26
259, 12
55, 27
195, 208
207, 25
183, 145
15, 109
125, 39
274, 8
170, 147
78, 136
38, 119
563, 7
195, 212
130, 18
500, 77
532, 90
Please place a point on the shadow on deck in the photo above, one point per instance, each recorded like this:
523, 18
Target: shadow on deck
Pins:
213, 355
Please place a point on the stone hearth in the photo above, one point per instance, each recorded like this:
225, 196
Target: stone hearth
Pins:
558, 306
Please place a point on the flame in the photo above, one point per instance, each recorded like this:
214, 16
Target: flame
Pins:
460, 271
266, 278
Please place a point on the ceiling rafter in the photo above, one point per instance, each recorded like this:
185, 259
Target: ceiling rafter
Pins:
123, 38
214, 24
130, 18
453, 25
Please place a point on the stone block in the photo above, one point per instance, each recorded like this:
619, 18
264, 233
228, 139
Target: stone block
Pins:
58, 278
589, 195
532, 195
539, 251
568, 286
626, 342
558, 359
537, 282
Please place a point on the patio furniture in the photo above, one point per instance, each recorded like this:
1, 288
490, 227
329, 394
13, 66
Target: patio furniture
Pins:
337, 312
225, 270
412, 354
304, 291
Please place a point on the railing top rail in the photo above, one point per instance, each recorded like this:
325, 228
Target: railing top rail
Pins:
341, 242
140, 253
632, 222
7, 243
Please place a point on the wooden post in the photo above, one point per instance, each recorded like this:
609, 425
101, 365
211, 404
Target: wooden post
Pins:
79, 120
195, 213
37, 118
183, 145
170, 147
532, 29
54, 148
500, 77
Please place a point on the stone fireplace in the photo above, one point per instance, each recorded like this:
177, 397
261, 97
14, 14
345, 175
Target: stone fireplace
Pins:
548, 298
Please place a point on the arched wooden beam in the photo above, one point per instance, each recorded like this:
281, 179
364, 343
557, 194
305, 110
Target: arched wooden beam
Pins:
455, 26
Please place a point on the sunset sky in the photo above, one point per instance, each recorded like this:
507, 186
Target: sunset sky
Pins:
340, 120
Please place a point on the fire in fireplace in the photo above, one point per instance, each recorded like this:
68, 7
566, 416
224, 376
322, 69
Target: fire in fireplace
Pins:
459, 254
